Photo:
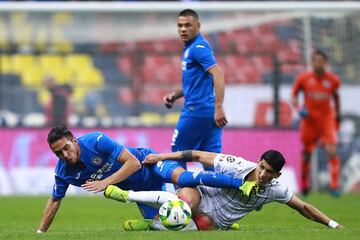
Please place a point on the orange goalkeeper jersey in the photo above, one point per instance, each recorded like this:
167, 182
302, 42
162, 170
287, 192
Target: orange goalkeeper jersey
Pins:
317, 92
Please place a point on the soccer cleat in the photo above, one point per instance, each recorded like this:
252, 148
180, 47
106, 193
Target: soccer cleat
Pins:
138, 225
116, 193
234, 226
249, 188
335, 192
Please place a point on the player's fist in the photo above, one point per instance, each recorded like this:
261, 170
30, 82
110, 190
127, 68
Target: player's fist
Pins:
169, 100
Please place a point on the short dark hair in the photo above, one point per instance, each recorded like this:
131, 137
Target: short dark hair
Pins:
59, 132
320, 53
274, 158
188, 12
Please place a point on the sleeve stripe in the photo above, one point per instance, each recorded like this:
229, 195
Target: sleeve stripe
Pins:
211, 66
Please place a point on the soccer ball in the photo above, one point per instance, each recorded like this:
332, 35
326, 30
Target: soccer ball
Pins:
175, 214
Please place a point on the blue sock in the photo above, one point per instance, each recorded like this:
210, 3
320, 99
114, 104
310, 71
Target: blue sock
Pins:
211, 179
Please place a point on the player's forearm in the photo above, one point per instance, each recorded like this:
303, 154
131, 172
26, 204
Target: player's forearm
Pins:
315, 214
129, 168
49, 214
219, 85
178, 93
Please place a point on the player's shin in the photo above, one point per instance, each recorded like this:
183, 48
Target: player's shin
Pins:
211, 179
151, 198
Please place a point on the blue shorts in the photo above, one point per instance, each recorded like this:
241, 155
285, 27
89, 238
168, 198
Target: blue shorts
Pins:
197, 134
164, 169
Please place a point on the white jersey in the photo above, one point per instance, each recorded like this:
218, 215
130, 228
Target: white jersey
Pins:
227, 206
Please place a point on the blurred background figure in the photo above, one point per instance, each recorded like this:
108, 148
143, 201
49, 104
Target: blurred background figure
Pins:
58, 109
319, 119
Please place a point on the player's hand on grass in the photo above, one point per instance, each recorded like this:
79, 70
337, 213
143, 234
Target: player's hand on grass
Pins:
152, 158
94, 186
340, 226
169, 100
220, 117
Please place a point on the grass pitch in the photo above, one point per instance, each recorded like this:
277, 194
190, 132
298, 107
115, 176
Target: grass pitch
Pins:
99, 218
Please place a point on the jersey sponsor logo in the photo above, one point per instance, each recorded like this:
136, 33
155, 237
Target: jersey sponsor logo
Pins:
100, 172
98, 138
96, 161
199, 46
183, 65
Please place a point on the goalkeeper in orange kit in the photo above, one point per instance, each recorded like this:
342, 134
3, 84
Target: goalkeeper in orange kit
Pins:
320, 118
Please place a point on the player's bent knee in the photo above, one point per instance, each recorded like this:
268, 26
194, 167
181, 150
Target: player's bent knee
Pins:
203, 222
176, 174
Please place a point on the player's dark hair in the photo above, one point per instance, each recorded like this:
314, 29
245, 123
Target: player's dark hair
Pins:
59, 132
274, 158
320, 53
188, 12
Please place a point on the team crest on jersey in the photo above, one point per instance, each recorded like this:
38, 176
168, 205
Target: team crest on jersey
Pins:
230, 159
96, 161
327, 84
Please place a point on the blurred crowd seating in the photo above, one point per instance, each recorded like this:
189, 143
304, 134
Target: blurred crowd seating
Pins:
120, 80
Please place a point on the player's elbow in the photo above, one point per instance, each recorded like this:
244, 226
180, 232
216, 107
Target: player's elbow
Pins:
136, 165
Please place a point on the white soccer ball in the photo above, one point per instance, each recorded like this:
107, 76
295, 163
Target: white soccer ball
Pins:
175, 214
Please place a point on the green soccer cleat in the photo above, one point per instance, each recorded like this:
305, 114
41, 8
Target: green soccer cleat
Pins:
249, 188
117, 194
234, 226
138, 225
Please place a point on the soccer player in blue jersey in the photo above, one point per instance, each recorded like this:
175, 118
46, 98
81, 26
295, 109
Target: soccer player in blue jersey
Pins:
203, 117
95, 161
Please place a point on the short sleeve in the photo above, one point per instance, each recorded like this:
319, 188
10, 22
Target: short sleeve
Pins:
60, 188
107, 146
229, 165
282, 193
204, 56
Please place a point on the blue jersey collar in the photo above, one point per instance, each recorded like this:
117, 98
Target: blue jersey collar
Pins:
198, 36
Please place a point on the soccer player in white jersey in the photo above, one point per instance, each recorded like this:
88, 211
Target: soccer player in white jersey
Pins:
223, 207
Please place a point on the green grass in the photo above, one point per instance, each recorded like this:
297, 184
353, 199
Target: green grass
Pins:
98, 218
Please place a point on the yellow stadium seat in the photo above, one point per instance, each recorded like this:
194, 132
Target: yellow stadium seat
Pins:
6, 64
22, 63
43, 96
50, 62
150, 118
78, 61
32, 77
171, 118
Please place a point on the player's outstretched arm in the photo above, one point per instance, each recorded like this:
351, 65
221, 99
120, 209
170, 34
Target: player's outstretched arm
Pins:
311, 212
50, 211
206, 158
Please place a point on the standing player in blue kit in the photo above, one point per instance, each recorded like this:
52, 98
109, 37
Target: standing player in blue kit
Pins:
203, 117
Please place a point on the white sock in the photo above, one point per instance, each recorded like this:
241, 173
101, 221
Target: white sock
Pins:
157, 225
151, 198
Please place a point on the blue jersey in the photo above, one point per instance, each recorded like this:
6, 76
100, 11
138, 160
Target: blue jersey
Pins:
98, 160
197, 83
